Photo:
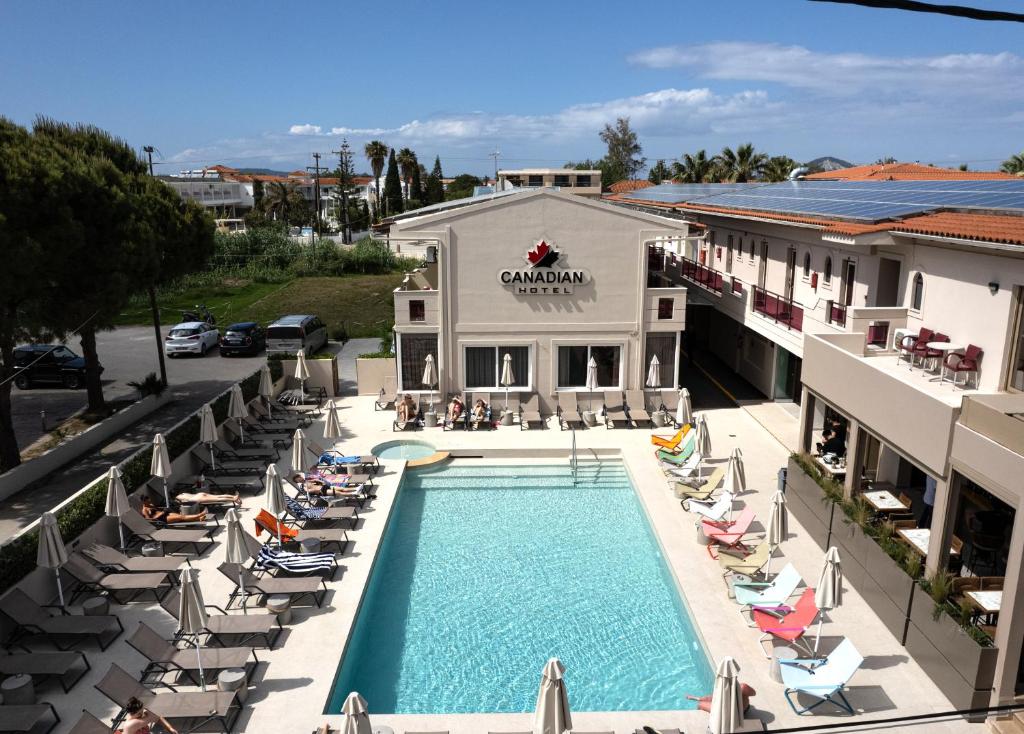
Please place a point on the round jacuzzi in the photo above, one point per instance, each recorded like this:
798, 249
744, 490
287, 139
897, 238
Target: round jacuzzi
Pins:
407, 450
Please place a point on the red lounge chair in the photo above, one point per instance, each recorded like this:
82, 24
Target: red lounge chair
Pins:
787, 623
967, 362
729, 536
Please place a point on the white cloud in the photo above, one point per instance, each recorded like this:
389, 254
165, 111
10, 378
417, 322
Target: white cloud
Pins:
304, 130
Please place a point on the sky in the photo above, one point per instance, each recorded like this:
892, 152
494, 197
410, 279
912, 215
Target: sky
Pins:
261, 84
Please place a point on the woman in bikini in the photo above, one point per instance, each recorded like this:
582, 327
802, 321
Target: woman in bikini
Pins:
205, 498
162, 514
140, 720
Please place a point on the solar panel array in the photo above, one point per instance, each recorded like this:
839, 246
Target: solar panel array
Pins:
869, 201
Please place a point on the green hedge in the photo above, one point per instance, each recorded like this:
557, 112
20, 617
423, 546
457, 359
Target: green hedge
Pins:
18, 558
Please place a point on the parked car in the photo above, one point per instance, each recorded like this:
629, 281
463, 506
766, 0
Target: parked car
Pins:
48, 364
246, 337
289, 334
191, 337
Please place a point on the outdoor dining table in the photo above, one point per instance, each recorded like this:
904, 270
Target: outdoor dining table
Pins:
917, 539
833, 471
884, 501
987, 601
945, 348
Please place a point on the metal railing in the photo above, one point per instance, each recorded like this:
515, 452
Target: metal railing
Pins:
702, 275
574, 460
836, 313
781, 310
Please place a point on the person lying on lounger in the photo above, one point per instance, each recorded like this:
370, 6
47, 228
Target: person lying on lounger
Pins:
205, 498
704, 702
455, 409
162, 514
479, 410
407, 409
321, 485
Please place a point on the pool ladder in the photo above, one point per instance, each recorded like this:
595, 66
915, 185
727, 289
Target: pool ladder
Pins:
573, 460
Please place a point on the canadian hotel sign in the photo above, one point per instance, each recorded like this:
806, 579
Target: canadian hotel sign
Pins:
546, 275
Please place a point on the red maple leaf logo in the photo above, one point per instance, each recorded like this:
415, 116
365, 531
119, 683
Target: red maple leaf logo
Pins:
538, 253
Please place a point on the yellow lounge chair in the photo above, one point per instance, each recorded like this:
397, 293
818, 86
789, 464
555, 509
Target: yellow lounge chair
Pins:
747, 565
671, 444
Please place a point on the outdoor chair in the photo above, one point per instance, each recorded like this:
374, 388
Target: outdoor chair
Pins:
712, 512
265, 522
636, 407
269, 559
669, 398
699, 489
32, 619
144, 532
225, 451
966, 363
414, 423
112, 559
236, 467
67, 668
786, 623
768, 594
921, 345
89, 724
28, 718
223, 626
727, 536
304, 514
163, 657
388, 394
484, 422
680, 458
252, 484
287, 421
262, 587
197, 710
259, 434
568, 411
745, 565
529, 414
89, 579
822, 678
671, 443
909, 343
615, 413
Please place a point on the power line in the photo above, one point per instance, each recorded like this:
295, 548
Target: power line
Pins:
49, 351
959, 11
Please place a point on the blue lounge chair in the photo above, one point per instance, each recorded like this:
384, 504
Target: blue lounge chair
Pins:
823, 678
768, 594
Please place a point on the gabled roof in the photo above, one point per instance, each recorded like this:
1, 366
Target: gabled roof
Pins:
904, 172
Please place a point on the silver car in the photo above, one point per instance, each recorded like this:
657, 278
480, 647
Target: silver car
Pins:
191, 337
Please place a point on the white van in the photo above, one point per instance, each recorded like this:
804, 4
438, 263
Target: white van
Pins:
289, 334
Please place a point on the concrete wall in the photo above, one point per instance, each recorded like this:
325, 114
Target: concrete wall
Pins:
370, 374
431, 311
322, 373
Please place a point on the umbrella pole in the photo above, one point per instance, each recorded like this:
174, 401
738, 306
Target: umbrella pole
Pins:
241, 585
199, 660
60, 589
817, 637
270, 406
120, 531
241, 431
167, 496
213, 461
768, 564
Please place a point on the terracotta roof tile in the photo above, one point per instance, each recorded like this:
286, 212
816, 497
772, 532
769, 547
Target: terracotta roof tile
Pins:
905, 172
984, 227
627, 185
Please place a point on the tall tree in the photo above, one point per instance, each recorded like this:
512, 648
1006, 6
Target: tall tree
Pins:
434, 193
377, 154
740, 165
696, 168
778, 168
659, 172
1014, 164
407, 164
461, 186
416, 188
624, 149
392, 187
257, 194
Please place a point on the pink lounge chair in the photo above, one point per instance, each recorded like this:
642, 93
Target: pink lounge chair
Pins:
787, 623
729, 536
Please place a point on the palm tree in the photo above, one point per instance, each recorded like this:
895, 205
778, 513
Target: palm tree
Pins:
695, 168
277, 200
1014, 164
742, 164
778, 168
407, 164
377, 154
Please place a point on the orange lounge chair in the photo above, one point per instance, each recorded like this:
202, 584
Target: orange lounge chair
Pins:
266, 521
787, 623
729, 536
671, 444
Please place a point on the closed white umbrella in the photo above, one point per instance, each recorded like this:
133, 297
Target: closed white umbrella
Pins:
266, 388
301, 372
735, 476
332, 424
552, 715
237, 408
192, 613
357, 718
778, 526
236, 550
829, 593
298, 450
684, 413
654, 372
117, 500
726, 699
592, 379
703, 446
430, 377
208, 431
507, 377
274, 497
160, 464
51, 553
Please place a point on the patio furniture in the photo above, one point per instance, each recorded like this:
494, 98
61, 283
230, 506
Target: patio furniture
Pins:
257, 433
266, 586
18, 689
280, 606
307, 514
226, 452
302, 564
615, 412
90, 579
265, 522
670, 443
89, 724
711, 512
223, 626
288, 422
933, 349
164, 657
636, 408
917, 346
745, 565
27, 717
768, 594
32, 619
221, 485
966, 363
236, 680
568, 411
388, 394
529, 414
679, 463
232, 467
485, 421
143, 530
728, 536
114, 560
699, 487
787, 623
822, 678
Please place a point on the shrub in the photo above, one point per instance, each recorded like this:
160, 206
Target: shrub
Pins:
149, 385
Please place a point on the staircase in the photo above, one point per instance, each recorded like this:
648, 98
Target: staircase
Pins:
1014, 724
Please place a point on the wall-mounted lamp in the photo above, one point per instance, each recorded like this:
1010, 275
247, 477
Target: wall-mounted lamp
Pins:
993, 287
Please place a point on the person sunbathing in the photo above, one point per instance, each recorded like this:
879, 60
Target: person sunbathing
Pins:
140, 720
319, 485
455, 409
479, 410
205, 498
163, 514
704, 702
407, 409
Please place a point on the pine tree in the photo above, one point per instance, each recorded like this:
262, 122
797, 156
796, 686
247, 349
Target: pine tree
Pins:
416, 188
435, 186
392, 187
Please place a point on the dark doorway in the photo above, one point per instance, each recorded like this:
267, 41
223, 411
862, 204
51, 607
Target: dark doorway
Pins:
887, 293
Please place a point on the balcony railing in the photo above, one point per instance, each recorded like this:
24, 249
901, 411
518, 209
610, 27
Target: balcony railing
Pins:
702, 275
837, 313
737, 286
778, 308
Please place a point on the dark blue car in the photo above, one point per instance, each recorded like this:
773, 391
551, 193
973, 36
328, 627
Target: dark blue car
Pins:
48, 364
246, 337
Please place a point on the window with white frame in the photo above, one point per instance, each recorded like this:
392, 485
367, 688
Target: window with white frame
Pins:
483, 367
573, 361
917, 293
662, 346
413, 349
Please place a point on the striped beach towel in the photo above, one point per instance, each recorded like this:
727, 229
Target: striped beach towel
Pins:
294, 562
301, 512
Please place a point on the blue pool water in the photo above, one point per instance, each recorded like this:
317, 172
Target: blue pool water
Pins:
487, 571
403, 450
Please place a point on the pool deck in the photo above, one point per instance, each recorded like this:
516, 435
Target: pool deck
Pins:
293, 682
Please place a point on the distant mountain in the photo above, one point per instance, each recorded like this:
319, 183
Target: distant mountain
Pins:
828, 163
262, 172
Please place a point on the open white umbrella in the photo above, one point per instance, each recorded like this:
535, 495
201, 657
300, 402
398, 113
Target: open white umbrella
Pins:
735, 476
591, 380
236, 550
117, 500
301, 372
332, 424
51, 553
829, 592
507, 377
703, 446
160, 464
357, 718
654, 372
266, 389
552, 715
208, 431
298, 450
274, 497
429, 378
684, 413
778, 527
192, 613
726, 699
237, 408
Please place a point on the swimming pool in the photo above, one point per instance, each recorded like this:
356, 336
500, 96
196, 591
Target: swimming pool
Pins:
487, 571
403, 450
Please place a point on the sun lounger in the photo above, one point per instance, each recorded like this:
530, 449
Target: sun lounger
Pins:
712, 512
636, 407
822, 678
529, 414
164, 657
615, 413
265, 522
258, 434
230, 467
569, 411
388, 394
122, 587
65, 667
695, 486
486, 421
786, 623
669, 399
727, 536
112, 559
218, 485
33, 619
772, 593
226, 452
89, 724
288, 421
306, 514
296, 588
679, 458
223, 627
199, 709
145, 531
747, 564
28, 718
300, 564
351, 463
671, 443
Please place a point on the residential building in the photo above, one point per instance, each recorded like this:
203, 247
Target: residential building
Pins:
581, 183
904, 172
228, 197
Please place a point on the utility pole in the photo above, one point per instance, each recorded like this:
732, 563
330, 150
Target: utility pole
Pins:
152, 298
343, 182
495, 155
316, 190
